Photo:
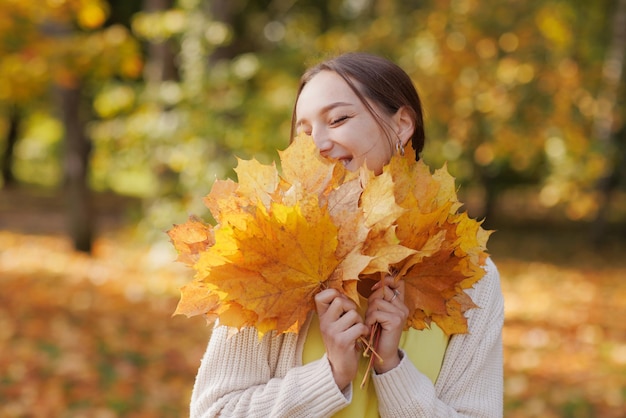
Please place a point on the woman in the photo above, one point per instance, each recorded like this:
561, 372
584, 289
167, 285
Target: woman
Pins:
359, 109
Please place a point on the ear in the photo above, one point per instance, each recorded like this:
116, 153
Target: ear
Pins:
404, 124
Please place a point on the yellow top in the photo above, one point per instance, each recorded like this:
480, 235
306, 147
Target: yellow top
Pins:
424, 348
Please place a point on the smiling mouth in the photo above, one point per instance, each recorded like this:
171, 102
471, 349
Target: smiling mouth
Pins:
345, 161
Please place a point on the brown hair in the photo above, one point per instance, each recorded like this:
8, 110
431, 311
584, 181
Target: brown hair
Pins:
377, 79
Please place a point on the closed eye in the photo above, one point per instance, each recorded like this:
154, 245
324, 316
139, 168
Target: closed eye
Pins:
339, 120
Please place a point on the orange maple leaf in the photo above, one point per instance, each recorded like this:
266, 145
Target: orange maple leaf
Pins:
191, 238
274, 265
450, 247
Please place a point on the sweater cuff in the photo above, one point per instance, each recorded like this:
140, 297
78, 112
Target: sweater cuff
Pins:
401, 383
321, 392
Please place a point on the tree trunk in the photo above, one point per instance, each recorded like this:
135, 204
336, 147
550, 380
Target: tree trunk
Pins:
8, 179
77, 150
603, 123
160, 65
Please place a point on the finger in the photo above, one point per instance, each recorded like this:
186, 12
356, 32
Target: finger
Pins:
386, 293
391, 319
348, 319
386, 283
388, 320
333, 304
387, 280
326, 296
335, 311
343, 330
324, 299
400, 285
393, 305
357, 331
397, 288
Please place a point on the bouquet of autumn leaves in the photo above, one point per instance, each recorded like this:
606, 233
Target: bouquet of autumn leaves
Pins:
281, 237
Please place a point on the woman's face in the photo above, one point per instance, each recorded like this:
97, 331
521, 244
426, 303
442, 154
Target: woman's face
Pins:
341, 125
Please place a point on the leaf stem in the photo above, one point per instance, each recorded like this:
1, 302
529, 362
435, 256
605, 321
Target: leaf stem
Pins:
369, 349
373, 342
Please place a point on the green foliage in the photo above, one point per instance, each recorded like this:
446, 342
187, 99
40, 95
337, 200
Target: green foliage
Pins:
510, 88
38, 152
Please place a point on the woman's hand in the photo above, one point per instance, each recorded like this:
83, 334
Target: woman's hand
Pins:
341, 326
386, 307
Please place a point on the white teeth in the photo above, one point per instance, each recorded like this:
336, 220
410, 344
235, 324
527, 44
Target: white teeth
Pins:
345, 162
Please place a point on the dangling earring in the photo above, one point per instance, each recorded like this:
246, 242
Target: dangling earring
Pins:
399, 148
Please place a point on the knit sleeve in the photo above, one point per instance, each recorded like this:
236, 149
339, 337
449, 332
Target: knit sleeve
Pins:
241, 376
470, 383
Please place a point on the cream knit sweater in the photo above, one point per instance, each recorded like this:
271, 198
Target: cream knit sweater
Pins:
243, 377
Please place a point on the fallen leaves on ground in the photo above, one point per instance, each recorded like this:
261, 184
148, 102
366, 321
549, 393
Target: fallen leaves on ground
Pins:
564, 340
94, 336
88, 336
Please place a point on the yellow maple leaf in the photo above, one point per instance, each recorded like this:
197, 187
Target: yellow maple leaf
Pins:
198, 299
256, 181
352, 234
280, 263
318, 176
224, 197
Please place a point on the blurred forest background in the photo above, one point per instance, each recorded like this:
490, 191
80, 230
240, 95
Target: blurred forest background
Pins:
116, 116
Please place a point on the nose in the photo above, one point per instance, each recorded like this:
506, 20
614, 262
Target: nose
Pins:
322, 139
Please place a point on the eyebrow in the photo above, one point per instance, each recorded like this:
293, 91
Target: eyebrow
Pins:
327, 109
